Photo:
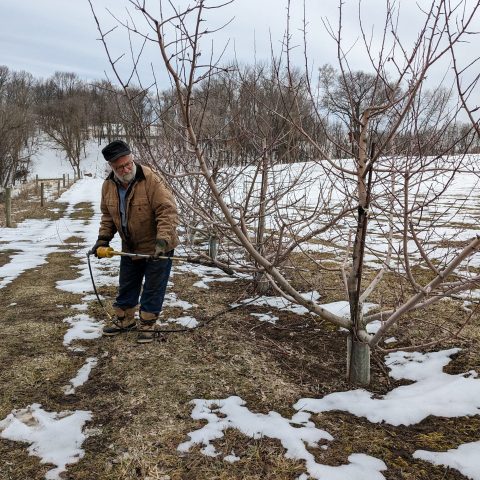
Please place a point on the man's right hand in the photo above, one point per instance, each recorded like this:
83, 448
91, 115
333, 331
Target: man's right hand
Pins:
99, 243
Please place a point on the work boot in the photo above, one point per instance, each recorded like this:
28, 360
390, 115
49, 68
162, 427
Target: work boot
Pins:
146, 327
123, 322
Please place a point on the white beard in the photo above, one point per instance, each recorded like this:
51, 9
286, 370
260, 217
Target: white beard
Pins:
127, 177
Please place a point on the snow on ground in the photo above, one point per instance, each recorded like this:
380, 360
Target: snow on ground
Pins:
33, 240
54, 437
171, 300
465, 459
265, 317
51, 163
432, 392
340, 308
295, 435
81, 377
207, 274
280, 303
57, 437
82, 327
28, 253
185, 321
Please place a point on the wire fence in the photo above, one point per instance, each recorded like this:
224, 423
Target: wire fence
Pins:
39, 192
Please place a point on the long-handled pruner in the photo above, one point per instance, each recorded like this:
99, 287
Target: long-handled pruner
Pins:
109, 252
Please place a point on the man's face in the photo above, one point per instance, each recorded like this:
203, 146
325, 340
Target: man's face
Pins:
124, 168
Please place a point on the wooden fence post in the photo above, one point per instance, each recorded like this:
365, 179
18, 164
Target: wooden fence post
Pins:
36, 184
8, 207
68, 179
58, 188
63, 180
42, 194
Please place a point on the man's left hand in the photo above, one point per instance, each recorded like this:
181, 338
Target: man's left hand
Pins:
160, 248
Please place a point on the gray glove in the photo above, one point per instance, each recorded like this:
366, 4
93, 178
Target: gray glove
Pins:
160, 248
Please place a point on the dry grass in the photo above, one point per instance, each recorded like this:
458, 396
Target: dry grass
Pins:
27, 205
140, 395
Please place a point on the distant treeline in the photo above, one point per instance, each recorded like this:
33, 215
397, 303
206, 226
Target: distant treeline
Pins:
240, 109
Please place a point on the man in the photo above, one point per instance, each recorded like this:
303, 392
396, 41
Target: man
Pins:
138, 205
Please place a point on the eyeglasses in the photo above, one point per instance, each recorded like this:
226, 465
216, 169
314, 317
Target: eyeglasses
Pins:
125, 166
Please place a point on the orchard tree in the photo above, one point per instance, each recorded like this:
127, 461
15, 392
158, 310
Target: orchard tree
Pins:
379, 207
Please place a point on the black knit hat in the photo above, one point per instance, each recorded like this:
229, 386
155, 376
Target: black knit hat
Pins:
116, 149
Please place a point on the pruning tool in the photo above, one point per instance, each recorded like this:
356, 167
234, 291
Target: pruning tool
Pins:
109, 252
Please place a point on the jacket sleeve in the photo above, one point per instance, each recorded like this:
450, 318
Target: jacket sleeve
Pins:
107, 226
164, 207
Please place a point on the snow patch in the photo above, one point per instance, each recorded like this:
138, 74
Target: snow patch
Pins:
186, 321
294, 434
266, 317
83, 327
432, 393
280, 303
465, 459
81, 377
54, 437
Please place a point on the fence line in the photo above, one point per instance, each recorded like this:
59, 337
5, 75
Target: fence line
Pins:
63, 180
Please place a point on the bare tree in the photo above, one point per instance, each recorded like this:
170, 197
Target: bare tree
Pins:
16, 125
397, 186
64, 114
380, 204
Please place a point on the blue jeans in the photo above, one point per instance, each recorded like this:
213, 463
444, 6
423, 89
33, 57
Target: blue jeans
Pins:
154, 275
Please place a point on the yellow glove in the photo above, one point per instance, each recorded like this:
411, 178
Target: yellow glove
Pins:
99, 243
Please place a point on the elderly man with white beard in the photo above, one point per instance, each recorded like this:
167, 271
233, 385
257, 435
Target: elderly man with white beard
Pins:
138, 205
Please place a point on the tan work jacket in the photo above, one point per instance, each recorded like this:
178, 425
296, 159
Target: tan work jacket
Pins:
150, 210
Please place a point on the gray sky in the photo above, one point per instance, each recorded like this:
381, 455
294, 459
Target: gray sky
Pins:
44, 36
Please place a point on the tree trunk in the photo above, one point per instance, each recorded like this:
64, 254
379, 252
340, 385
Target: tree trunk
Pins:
213, 247
262, 285
358, 361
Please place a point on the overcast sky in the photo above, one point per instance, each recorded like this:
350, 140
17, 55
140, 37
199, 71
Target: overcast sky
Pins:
44, 36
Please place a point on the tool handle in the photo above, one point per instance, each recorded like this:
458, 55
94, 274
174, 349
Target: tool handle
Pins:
109, 252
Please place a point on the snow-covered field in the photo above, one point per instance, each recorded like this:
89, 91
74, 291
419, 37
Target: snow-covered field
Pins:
304, 188
57, 437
